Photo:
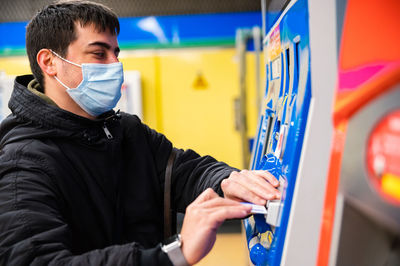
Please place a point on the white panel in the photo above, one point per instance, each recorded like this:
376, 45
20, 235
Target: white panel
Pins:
131, 99
302, 238
6, 88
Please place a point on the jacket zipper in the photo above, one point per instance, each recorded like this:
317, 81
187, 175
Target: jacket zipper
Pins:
108, 133
113, 117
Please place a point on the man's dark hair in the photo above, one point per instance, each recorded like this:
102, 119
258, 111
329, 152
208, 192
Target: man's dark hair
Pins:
53, 27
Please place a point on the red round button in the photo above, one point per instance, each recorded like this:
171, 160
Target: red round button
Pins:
383, 157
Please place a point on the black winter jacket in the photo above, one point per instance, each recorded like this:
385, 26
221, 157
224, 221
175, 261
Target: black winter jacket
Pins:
71, 196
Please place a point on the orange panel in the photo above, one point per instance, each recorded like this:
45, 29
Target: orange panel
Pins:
370, 33
369, 65
330, 195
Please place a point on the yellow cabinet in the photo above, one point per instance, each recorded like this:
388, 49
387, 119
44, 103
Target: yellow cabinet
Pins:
198, 88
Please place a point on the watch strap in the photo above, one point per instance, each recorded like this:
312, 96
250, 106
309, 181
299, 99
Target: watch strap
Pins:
174, 251
177, 258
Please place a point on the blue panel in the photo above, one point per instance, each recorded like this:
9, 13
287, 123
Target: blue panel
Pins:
175, 29
281, 128
153, 32
13, 37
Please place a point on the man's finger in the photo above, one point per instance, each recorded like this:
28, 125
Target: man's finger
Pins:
219, 202
268, 176
221, 214
257, 185
243, 192
260, 182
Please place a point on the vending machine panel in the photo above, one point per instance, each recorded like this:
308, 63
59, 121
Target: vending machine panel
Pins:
281, 129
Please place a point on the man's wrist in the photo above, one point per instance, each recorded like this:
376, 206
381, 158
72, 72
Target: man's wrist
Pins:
173, 248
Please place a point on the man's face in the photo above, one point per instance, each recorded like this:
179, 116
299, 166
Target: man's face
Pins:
91, 46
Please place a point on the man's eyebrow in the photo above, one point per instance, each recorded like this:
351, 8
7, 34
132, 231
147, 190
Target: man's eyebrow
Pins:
105, 45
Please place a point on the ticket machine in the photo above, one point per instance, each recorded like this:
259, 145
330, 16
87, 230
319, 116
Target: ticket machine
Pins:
281, 127
293, 137
329, 130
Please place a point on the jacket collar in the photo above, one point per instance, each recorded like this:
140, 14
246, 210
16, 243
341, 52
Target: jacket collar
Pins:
29, 106
35, 88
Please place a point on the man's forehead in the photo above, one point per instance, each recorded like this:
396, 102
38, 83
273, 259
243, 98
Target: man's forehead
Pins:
92, 33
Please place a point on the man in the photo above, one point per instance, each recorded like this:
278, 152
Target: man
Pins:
83, 185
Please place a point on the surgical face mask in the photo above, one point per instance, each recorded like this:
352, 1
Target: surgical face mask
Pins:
100, 89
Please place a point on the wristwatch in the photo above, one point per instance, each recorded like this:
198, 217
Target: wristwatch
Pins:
172, 247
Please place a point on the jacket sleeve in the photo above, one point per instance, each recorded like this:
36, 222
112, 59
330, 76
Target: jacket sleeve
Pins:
192, 173
34, 232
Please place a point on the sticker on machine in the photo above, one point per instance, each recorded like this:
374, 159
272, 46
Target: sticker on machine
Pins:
274, 44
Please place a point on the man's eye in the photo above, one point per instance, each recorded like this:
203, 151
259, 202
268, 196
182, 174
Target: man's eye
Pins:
101, 55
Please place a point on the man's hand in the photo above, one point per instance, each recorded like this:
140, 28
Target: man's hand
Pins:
256, 186
202, 219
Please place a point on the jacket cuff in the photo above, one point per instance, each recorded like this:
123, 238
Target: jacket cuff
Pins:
154, 257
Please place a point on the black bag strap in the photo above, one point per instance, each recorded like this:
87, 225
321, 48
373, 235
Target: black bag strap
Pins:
169, 214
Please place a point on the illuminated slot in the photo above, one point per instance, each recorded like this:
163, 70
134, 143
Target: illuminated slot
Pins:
296, 63
295, 76
276, 135
270, 122
287, 69
278, 127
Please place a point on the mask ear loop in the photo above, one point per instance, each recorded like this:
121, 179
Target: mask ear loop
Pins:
59, 56
75, 64
59, 81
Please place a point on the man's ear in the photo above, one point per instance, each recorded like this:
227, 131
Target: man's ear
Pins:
46, 61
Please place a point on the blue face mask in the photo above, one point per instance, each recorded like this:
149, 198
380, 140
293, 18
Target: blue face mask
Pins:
100, 89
